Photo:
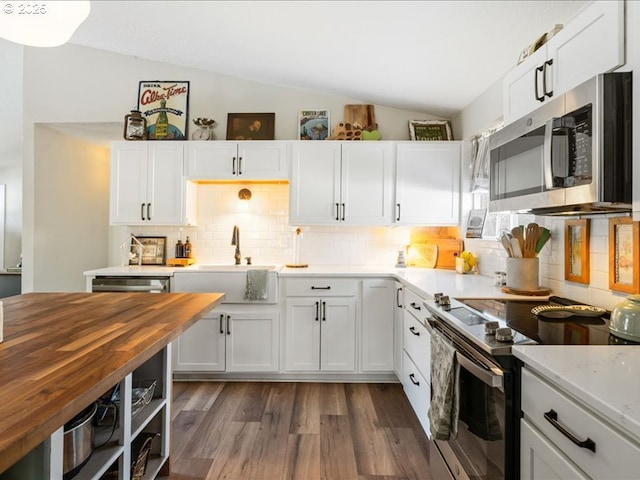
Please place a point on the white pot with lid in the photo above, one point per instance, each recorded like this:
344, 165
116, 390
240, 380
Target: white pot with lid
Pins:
625, 319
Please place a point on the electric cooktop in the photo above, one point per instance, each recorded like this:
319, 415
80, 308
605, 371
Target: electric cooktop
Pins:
545, 330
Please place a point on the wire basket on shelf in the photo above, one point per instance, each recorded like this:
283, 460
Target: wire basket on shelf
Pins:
141, 395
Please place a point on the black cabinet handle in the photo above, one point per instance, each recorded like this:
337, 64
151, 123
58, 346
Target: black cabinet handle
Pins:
148, 211
228, 324
413, 330
324, 311
416, 307
337, 212
343, 212
239, 165
540, 98
412, 377
398, 290
552, 417
398, 210
317, 310
221, 324
328, 287
548, 93
233, 166
142, 211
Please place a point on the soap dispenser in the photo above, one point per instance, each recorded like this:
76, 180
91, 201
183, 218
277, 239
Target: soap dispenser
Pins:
187, 248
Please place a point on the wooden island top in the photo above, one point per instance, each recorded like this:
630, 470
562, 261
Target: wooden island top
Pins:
61, 351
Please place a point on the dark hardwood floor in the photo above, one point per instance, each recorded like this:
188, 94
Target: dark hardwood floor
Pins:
301, 431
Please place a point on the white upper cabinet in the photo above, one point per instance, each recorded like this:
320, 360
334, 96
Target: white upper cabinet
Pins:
341, 183
248, 160
428, 183
592, 43
148, 185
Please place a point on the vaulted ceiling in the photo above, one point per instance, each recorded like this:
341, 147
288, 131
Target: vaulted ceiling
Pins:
424, 56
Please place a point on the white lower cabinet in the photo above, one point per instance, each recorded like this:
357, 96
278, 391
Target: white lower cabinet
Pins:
230, 339
377, 339
416, 365
321, 334
418, 391
320, 324
561, 438
540, 459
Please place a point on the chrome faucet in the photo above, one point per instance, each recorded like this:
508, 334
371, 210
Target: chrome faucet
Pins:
235, 240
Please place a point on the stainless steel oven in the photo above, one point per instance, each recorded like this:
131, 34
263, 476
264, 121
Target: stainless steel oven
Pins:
485, 443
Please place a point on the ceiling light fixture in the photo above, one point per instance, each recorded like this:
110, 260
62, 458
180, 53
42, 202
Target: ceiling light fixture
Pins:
44, 24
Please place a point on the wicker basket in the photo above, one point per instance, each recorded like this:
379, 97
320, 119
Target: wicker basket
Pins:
139, 466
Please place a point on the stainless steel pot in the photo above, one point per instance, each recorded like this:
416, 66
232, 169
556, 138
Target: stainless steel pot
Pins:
78, 441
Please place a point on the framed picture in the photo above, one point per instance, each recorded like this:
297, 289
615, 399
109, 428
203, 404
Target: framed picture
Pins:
576, 251
313, 125
429, 130
153, 251
165, 106
624, 255
475, 224
251, 126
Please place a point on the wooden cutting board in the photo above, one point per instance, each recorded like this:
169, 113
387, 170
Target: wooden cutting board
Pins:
361, 114
446, 252
427, 255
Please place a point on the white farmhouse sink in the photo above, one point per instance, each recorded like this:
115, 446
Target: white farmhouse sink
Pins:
228, 279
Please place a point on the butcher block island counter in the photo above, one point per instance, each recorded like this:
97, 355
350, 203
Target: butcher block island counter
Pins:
62, 351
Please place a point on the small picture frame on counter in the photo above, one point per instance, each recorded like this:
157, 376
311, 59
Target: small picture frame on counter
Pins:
251, 126
154, 251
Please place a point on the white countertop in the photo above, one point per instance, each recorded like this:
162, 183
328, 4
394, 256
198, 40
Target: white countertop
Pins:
606, 378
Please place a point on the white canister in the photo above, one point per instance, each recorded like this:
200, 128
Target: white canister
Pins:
522, 273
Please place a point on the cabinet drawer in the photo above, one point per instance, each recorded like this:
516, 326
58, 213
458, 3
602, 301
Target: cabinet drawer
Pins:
417, 343
413, 304
418, 391
615, 456
321, 287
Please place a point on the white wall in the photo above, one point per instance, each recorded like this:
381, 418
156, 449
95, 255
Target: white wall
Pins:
78, 84
72, 195
11, 119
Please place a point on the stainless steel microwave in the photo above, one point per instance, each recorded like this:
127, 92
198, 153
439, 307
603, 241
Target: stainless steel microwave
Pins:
571, 156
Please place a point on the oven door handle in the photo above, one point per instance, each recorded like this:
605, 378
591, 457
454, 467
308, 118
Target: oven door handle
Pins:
492, 376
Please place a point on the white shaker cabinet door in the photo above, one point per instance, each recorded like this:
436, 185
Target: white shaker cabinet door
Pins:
378, 312
338, 334
315, 183
201, 348
302, 334
128, 182
367, 183
428, 183
252, 342
166, 186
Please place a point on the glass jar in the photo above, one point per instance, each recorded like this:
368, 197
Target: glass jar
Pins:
135, 126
